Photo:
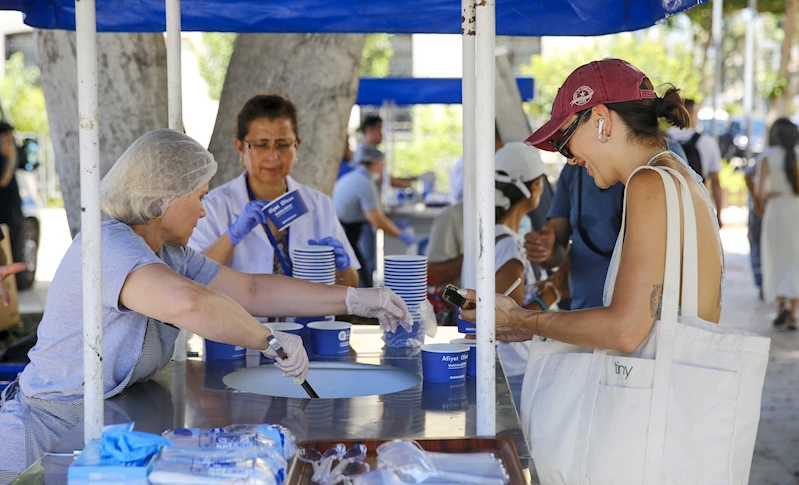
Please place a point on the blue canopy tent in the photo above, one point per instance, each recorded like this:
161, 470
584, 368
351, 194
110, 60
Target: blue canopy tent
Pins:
410, 91
478, 21
513, 17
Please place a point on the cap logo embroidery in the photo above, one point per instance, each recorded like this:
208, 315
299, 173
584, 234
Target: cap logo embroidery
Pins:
582, 96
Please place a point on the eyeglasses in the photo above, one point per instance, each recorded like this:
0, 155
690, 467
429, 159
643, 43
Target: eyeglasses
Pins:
263, 146
562, 142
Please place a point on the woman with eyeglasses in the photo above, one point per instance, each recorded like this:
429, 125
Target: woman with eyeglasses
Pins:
606, 118
236, 232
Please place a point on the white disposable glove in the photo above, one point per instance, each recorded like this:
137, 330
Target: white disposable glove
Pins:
380, 303
296, 363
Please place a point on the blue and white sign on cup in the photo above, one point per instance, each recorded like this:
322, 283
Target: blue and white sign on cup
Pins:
286, 209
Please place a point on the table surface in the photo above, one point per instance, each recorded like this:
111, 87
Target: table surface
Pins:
192, 394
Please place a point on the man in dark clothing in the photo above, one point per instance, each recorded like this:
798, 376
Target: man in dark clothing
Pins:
10, 201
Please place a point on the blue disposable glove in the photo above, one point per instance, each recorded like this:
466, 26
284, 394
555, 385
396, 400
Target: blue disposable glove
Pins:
342, 258
407, 237
247, 221
121, 443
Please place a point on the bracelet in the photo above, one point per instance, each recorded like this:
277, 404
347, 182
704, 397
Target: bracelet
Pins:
543, 339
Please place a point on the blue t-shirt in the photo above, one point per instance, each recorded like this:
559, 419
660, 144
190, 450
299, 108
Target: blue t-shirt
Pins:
56, 368
355, 194
601, 218
344, 169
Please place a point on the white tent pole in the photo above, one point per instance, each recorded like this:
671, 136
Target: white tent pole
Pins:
468, 268
89, 134
749, 73
486, 358
174, 78
717, 48
175, 101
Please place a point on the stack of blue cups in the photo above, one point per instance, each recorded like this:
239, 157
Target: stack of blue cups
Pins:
316, 264
407, 276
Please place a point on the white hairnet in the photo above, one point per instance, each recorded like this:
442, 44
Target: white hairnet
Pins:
157, 169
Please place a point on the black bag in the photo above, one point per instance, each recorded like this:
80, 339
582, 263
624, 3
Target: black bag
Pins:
692, 154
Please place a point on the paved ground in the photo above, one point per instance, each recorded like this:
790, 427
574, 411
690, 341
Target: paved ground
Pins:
776, 460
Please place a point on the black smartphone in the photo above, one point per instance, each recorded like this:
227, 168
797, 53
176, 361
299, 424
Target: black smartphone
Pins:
451, 295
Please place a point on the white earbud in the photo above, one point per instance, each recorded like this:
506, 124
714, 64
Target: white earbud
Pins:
601, 132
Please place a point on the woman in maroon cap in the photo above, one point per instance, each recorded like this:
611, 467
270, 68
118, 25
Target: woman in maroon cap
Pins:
606, 117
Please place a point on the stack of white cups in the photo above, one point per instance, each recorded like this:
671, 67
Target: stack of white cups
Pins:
314, 263
407, 276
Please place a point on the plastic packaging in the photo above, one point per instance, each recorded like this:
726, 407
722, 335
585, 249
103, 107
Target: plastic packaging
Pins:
350, 463
239, 436
414, 465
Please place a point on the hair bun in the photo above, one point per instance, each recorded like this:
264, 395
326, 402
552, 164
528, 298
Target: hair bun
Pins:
660, 107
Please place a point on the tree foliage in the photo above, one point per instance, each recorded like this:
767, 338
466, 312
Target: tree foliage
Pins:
213, 57
661, 63
377, 53
436, 143
23, 97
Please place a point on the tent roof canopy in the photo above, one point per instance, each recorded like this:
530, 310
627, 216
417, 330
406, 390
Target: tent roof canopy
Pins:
410, 91
514, 17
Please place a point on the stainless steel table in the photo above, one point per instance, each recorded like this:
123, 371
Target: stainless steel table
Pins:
192, 394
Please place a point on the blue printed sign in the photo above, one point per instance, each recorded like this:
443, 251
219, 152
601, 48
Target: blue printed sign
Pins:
286, 209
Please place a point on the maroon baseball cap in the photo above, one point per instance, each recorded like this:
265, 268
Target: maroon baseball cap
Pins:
598, 82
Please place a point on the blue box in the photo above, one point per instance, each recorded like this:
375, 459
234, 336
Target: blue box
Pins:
89, 468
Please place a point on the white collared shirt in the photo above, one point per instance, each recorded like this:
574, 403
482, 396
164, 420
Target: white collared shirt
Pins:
255, 254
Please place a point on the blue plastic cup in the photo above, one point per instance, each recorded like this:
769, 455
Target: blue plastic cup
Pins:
330, 338
444, 362
220, 351
292, 328
471, 366
464, 326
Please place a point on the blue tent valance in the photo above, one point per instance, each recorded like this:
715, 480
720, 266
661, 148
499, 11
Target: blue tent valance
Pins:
410, 91
514, 17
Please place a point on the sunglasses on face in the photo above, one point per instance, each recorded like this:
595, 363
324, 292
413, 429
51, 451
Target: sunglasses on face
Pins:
561, 143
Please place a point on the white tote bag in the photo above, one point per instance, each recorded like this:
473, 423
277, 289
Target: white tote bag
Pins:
682, 409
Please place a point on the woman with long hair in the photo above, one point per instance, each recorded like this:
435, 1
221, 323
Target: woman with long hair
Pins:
778, 190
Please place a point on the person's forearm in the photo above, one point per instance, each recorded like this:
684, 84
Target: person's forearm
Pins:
596, 327
348, 277
402, 183
388, 226
716, 187
445, 271
282, 296
221, 251
215, 316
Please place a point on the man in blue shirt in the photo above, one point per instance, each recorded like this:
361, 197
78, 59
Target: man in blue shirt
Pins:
357, 203
591, 218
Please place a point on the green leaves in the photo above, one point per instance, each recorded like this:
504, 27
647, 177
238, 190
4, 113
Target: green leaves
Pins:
23, 97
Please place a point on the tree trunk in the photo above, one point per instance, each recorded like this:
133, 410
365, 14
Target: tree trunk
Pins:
132, 96
318, 73
779, 105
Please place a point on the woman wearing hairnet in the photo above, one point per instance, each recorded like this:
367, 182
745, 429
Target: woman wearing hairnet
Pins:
236, 232
153, 284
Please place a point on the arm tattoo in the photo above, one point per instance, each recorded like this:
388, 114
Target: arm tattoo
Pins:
656, 301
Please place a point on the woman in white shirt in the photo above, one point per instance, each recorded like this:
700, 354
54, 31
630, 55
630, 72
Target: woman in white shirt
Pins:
236, 232
519, 181
778, 189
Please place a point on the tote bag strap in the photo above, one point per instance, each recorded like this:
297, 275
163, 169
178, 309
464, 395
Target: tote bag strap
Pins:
664, 356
